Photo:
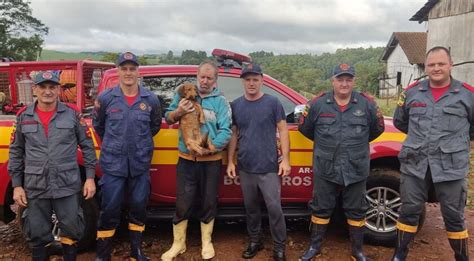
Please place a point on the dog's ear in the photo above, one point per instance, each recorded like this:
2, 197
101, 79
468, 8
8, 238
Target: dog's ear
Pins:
180, 90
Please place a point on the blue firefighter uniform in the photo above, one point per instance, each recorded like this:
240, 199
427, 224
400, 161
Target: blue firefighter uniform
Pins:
126, 151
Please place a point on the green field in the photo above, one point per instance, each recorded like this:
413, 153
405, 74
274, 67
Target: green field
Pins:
49, 55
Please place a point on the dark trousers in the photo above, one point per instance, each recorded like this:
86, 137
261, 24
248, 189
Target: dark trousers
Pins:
325, 195
37, 222
451, 195
113, 190
197, 179
269, 185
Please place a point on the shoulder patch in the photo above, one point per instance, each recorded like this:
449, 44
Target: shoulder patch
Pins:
73, 106
368, 96
411, 85
22, 109
469, 87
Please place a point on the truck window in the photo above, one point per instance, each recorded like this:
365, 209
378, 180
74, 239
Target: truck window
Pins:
232, 88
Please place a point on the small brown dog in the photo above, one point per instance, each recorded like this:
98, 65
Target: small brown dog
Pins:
190, 123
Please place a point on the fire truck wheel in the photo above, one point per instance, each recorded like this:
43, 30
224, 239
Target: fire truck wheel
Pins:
383, 196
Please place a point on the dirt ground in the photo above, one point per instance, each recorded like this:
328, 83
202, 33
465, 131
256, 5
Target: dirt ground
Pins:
230, 239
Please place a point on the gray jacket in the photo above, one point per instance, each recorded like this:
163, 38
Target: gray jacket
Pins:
438, 132
341, 139
47, 167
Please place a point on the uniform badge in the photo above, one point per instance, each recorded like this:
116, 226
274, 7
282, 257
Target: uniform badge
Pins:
401, 99
128, 56
344, 66
306, 110
12, 137
143, 106
358, 113
47, 75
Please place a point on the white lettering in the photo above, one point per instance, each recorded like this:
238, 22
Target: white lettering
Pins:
303, 170
286, 181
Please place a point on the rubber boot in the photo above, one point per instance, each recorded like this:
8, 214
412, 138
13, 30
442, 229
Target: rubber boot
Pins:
460, 248
357, 240
69, 252
207, 251
403, 240
179, 241
40, 253
136, 252
104, 249
317, 234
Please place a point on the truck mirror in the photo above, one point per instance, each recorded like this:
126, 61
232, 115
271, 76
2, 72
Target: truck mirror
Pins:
299, 109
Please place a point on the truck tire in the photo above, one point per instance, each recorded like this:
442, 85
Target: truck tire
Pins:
91, 214
383, 195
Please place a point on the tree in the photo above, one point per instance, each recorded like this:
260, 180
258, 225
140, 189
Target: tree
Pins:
21, 35
192, 57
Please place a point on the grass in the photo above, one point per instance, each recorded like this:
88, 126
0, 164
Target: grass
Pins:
49, 55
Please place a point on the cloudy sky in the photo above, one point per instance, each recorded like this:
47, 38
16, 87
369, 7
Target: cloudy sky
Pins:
280, 26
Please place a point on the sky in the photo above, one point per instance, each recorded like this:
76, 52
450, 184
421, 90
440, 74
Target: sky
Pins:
278, 26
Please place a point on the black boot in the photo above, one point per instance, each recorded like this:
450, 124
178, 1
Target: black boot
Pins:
279, 255
40, 253
357, 240
460, 248
69, 252
252, 249
104, 248
317, 235
136, 246
403, 240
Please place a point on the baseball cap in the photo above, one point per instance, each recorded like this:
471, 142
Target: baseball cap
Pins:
343, 68
251, 68
127, 57
46, 76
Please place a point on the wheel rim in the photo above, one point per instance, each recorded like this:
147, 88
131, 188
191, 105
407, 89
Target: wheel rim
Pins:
383, 212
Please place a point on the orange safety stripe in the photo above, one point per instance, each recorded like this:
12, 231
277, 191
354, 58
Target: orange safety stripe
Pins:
320, 221
458, 235
67, 241
105, 233
135, 227
356, 223
406, 228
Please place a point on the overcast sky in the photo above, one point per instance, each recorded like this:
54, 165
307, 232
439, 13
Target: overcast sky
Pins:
280, 26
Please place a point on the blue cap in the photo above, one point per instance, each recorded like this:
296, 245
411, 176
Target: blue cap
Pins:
46, 76
251, 68
127, 57
343, 68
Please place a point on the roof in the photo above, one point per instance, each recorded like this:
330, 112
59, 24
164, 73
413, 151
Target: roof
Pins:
422, 14
413, 45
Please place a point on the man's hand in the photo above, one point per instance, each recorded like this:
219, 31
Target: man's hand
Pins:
231, 170
19, 196
185, 106
89, 189
284, 169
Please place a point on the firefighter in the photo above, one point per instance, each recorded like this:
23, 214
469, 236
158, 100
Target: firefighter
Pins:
126, 118
199, 175
437, 114
44, 170
341, 123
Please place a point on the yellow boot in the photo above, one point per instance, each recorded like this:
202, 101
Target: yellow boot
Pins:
179, 241
206, 238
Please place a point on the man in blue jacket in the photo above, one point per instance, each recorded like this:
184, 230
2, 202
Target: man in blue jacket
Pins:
126, 118
201, 173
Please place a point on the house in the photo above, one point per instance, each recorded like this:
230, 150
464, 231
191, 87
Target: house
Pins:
404, 56
450, 23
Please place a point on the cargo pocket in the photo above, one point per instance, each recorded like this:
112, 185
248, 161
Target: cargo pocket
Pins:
453, 118
454, 156
68, 174
325, 162
416, 116
323, 124
143, 123
66, 131
359, 161
115, 122
358, 126
35, 178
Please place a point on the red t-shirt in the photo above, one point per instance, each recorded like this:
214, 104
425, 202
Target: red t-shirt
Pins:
130, 99
342, 108
45, 118
438, 92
